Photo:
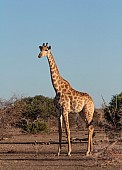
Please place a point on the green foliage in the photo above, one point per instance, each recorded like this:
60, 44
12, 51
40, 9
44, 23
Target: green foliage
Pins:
34, 127
113, 114
35, 111
38, 107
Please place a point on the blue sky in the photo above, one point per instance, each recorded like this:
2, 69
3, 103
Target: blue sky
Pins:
86, 40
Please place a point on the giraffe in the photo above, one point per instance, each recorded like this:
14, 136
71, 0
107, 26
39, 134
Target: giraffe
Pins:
68, 100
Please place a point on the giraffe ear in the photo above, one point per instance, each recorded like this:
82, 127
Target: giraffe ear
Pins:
40, 47
49, 47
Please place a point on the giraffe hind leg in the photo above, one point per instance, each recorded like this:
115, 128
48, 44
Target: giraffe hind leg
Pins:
88, 117
90, 143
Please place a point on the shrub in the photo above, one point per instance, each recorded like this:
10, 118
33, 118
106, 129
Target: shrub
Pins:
113, 116
38, 107
35, 127
35, 111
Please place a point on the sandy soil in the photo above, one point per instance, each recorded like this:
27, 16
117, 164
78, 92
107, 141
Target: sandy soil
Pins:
37, 156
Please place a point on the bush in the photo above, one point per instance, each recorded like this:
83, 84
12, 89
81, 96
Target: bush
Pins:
35, 111
113, 116
38, 107
35, 127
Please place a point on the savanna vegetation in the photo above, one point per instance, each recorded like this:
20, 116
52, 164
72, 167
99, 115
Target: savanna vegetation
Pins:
32, 114
113, 116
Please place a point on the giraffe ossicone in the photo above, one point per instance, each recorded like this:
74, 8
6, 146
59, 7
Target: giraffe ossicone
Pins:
68, 100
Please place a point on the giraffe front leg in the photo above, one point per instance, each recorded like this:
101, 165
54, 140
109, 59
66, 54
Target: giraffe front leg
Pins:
60, 132
66, 122
90, 143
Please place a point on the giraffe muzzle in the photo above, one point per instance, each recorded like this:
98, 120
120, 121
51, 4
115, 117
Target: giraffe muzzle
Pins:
39, 56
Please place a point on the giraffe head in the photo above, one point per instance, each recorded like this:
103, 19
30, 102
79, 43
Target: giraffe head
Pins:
44, 50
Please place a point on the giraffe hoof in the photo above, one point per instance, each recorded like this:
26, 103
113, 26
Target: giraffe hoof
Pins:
69, 154
58, 154
88, 154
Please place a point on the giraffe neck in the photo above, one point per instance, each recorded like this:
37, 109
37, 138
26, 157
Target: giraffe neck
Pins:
56, 78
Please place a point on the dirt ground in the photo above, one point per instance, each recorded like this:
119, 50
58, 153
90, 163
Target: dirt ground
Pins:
34, 156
